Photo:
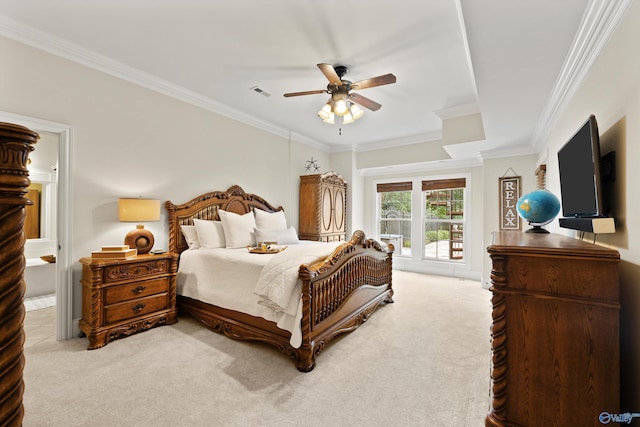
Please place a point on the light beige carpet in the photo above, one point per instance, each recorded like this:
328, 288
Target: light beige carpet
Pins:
422, 361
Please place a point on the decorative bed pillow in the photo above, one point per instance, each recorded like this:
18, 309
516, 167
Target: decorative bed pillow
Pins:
270, 220
287, 236
190, 236
210, 233
238, 229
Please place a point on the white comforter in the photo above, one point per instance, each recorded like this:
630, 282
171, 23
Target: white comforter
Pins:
278, 286
261, 285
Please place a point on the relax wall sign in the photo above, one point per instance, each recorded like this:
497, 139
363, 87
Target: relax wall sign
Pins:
510, 188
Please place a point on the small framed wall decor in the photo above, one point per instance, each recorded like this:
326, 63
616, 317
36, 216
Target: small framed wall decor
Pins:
509, 188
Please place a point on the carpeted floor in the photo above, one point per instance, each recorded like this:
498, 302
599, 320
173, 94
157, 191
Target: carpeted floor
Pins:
422, 361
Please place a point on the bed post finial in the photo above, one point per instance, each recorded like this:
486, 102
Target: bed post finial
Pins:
358, 237
236, 190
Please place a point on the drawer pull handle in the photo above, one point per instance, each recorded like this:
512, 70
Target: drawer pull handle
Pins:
136, 308
139, 289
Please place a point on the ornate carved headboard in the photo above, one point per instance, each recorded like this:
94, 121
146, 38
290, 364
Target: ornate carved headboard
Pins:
206, 207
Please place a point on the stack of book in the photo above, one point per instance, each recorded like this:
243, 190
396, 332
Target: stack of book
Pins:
115, 252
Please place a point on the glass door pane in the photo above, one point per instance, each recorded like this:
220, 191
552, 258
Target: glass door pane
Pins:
395, 220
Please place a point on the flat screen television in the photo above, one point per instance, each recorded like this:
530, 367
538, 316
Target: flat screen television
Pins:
579, 165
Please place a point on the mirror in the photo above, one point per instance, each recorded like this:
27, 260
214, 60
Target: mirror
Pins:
40, 221
32, 221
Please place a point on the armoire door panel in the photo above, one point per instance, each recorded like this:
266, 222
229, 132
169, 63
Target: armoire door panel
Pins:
327, 210
322, 215
340, 211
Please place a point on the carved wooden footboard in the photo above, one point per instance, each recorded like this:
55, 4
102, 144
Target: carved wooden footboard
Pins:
339, 293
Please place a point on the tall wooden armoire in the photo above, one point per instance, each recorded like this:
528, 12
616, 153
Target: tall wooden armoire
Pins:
323, 207
555, 333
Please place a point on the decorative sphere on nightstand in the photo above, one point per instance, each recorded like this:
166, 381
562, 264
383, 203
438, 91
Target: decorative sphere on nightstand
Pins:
539, 208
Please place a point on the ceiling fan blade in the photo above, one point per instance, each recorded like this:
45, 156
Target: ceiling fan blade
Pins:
365, 102
374, 81
330, 73
309, 92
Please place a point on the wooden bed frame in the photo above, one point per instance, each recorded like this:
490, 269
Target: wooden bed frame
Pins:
338, 294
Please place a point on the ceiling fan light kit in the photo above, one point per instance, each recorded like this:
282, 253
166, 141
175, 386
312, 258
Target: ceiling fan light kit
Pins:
349, 111
326, 111
342, 103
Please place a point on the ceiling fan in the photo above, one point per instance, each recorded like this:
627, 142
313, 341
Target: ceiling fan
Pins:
342, 100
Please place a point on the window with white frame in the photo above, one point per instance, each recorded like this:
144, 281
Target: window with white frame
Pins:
394, 215
423, 218
444, 219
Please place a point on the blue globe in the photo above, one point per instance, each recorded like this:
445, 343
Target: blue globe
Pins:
539, 207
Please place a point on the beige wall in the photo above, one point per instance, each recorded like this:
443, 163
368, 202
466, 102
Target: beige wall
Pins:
343, 162
611, 91
493, 170
300, 156
131, 141
402, 155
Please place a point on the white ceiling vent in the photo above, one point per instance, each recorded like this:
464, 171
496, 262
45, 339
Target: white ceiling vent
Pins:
261, 91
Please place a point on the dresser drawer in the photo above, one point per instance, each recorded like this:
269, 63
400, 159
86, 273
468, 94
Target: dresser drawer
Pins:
129, 291
135, 270
121, 297
137, 307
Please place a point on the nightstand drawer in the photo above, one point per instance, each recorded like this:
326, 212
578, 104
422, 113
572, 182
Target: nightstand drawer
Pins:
137, 307
134, 290
121, 297
135, 270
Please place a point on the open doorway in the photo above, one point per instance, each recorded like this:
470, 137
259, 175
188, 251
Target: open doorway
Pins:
41, 245
59, 219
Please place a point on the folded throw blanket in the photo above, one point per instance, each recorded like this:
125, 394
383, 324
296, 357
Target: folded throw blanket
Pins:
278, 286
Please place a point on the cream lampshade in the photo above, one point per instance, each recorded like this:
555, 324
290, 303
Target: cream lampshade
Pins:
139, 210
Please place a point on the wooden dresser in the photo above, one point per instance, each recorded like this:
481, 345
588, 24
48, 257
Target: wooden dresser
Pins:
555, 332
323, 207
121, 297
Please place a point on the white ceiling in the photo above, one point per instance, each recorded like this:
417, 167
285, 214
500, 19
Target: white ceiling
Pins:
501, 58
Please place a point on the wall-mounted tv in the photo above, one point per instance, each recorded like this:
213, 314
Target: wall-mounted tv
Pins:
579, 166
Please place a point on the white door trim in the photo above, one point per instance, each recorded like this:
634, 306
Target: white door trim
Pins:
64, 295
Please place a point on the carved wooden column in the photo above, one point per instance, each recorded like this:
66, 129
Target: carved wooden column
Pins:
15, 145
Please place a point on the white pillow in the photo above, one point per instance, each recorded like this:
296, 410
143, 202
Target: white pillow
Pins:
287, 236
210, 233
238, 229
190, 236
270, 220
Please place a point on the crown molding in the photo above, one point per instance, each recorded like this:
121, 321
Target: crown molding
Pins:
421, 167
599, 22
513, 151
301, 139
465, 39
62, 48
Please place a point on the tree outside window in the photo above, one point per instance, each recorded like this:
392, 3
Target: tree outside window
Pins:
442, 215
444, 219
395, 215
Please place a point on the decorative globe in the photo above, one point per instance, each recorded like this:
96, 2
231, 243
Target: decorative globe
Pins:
539, 208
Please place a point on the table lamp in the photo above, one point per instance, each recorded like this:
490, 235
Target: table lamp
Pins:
139, 210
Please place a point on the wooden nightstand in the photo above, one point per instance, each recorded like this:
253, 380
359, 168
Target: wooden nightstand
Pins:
121, 297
